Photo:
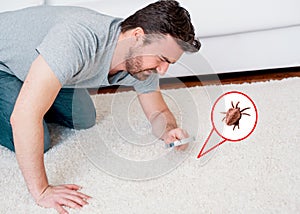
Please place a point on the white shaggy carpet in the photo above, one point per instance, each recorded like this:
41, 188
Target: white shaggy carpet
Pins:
126, 170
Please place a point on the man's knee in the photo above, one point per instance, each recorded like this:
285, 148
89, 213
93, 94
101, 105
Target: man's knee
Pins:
73, 108
85, 120
83, 110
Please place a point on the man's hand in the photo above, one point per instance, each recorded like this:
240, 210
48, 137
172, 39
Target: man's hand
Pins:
162, 120
62, 195
176, 134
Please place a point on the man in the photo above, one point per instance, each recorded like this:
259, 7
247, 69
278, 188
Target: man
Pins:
50, 55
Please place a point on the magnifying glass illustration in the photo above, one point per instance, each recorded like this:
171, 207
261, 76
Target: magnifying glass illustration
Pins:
234, 117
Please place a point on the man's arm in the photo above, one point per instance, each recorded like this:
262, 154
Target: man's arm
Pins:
161, 118
38, 92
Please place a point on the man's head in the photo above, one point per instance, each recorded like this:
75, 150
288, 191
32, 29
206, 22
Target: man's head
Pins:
155, 37
165, 17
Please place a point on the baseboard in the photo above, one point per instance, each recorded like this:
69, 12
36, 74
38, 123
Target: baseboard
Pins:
215, 79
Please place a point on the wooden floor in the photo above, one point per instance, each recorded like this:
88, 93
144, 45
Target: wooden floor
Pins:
226, 78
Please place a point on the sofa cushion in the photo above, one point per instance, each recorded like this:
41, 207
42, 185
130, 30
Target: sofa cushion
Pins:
110, 7
211, 17
215, 17
17, 4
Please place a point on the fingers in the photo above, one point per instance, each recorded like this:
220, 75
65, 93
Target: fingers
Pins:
72, 186
77, 198
80, 194
182, 147
73, 198
73, 189
183, 134
177, 134
60, 209
72, 202
63, 195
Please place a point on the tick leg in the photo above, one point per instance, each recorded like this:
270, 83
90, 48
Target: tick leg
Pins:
245, 109
223, 119
246, 114
236, 106
232, 104
237, 124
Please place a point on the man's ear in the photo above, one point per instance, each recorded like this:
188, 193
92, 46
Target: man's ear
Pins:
138, 33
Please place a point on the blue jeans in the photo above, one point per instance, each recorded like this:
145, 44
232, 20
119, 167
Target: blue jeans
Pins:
72, 108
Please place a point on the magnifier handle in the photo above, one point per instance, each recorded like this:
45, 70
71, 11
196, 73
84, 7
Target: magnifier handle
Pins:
180, 142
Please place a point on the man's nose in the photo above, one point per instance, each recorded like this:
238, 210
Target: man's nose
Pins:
162, 68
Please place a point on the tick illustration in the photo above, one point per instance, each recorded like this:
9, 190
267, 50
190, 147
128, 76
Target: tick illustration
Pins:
233, 115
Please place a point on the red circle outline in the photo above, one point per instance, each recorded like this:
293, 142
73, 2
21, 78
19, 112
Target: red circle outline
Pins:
213, 108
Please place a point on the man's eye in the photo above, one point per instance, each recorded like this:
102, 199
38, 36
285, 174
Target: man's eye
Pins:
165, 59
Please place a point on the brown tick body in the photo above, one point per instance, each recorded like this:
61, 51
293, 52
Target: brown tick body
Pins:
233, 115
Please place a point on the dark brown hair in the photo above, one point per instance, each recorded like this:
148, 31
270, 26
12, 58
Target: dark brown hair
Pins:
165, 17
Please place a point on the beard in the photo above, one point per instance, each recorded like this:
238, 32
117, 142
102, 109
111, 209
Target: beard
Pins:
134, 66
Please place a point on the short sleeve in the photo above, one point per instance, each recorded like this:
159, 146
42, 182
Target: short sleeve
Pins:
65, 49
151, 84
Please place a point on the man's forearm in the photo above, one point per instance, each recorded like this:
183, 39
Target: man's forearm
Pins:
162, 122
28, 139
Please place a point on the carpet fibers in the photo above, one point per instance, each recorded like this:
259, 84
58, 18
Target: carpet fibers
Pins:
127, 170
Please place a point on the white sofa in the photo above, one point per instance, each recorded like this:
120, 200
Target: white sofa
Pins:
17, 4
235, 35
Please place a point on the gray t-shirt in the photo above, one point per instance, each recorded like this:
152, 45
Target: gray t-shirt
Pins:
77, 44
